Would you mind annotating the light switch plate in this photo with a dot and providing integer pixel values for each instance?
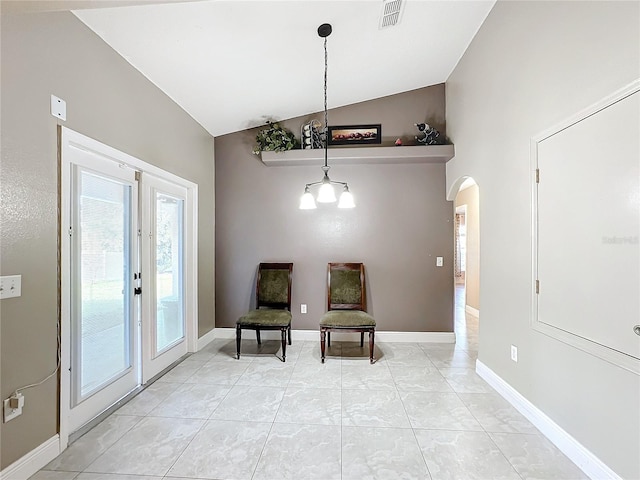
(303, 308)
(10, 286)
(439, 261)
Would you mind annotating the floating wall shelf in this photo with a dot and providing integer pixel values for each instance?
(361, 155)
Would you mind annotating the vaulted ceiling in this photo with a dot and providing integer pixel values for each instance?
(233, 64)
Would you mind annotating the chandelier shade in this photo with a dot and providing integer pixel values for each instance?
(346, 199)
(326, 194)
(306, 201)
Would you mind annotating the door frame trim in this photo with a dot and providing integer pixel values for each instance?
(68, 138)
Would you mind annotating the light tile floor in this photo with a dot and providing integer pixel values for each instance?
(419, 413)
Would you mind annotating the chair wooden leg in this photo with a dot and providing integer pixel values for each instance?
(362, 339)
(238, 337)
(328, 338)
(283, 333)
(258, 337)
(371, 345)
(322, 340)
(289, 331)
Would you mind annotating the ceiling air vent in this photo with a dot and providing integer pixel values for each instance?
(390, 14)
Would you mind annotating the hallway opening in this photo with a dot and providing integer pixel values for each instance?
(467, 263)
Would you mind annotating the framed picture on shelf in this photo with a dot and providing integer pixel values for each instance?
(355, 134)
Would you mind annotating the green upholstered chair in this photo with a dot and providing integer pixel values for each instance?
(346, 305)
(273, 304)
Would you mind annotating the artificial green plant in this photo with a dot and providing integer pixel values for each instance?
(275, 138)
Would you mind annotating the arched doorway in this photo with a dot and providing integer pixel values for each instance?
(467, 262)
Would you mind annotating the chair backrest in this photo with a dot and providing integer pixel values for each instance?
(273, 287)
(345, 287)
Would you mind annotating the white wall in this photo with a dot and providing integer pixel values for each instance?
(531, 65)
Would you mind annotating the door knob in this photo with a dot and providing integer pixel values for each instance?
(637, 329)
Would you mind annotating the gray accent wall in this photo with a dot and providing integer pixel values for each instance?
(401, 223)
(530, 66)
(107, 99)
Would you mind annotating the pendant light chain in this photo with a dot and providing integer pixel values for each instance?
(326, 122)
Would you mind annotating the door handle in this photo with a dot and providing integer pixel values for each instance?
(637, 329)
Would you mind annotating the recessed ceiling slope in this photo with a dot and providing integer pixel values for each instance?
(233, 64)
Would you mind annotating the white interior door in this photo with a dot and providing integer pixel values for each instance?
(164, 274)
(103, 313)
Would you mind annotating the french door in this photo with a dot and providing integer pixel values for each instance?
(163, 268)
(127, 276)
(103, 312)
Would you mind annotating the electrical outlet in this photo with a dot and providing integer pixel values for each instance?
(303, 308)
(514, 353)
(13, 407)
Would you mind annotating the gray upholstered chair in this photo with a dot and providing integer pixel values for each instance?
(346, 305)
(273, 304)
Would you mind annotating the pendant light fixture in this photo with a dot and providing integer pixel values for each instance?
(326, 193)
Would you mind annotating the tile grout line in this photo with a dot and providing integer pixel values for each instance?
(413, 430)
(205, 421)
(485, 431)
(264, 445)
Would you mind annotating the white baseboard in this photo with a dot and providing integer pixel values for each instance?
(314, 335)
(206, 339)
(577, 453)
(472, 311)
(33, 461)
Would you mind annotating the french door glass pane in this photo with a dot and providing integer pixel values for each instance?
(169, 267)
(105, 234)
